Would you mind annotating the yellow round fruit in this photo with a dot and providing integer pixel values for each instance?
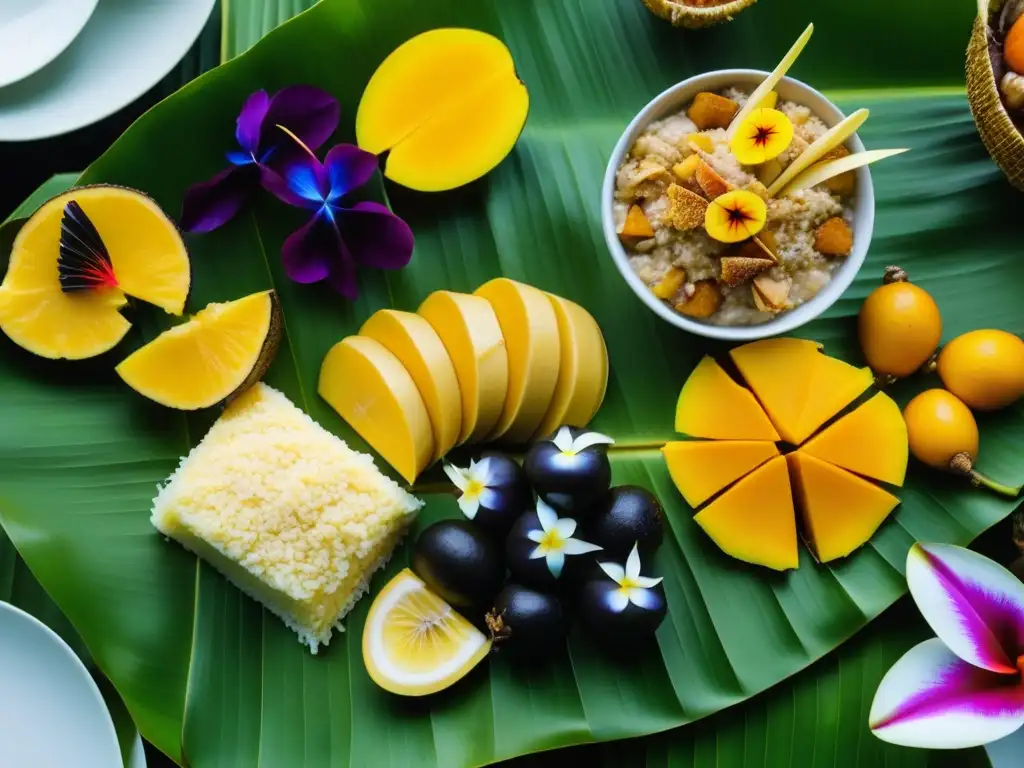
(414, 643)
(940, 426)
(900, 326)
(984, 368)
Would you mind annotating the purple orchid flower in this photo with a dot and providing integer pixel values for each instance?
(963, 688)
(309, 113)
(338, 238)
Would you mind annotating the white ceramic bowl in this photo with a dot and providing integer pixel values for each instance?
(673, 100)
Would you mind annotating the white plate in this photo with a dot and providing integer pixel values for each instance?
(51, 712)
(34, 32)
(124, 50)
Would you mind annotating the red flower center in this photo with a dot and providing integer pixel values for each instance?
(762, 134)
(737, 217)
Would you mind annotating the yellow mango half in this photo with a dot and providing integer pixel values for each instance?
(754, 521)
(714, 406)
(582, 372)
(447, 104)
(840, 511)
(530, 328)
(417, 346)
(469, 330)
(374, 393)
(870, 440)
(834, 386)
(700, 469)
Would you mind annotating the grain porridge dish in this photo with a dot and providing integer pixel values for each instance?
(733, 213)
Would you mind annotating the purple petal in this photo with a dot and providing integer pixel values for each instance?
(210, 204)
(348, 167)
(309, 253)
(250, 121)
(975, 606)
(308, 112)
(299, 184)
(375, 236)
(343, 275)
(931, 698)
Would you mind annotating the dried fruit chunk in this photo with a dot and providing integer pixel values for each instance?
(669, 284)
(709, 110)
(636, 224)
(700, 469)
(771, 295)
(687, 170)
(700, 141)
(754, 521)
(686, 209)
(735, 216)
(871, 441)
(705, 301)
(713, 406)
(840, 511)
(709, 181)
(834, 238)
(447, 104)
(738, 269)
(762, 136)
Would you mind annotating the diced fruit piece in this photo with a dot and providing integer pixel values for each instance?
(669, 284)
(700, 469)
(417, 346)
(834, 238)
(447, 104)
(470, 332)
(709, 180)
(836, 135)
(218, 354)
(713, 406)
(763, 135)
(686, 208)
(709, 110)
(687, 170)
(769, 101)
(871, 441)
(530, 329)
(780, 372)
(738, 269)
(840, 511)
(771, 295)
(735, 216)
(414, 643)
(701, 141)
(754, 521)
(636, 224)
(842, 184)
(374, 393)
(1013, 47)
(835, 385)
(582, 372)
(705, 301)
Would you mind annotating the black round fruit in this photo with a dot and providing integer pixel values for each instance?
(568, 471)
(459, 563)
(566, 554)
(494, 492)
(629, 515)
(527, 623)
(609, 623)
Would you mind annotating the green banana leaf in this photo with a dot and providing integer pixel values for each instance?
(246, 21)
(208, 676)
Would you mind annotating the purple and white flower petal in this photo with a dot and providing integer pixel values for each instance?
(547, 516)
(556, 562)
(310, 113)
(469, 505)
(566, 444)
(578, 547)
(933, 699)
(537, 536)
(348, 167)
(565, 527)
(615, 571)
(210, 204)
(641, 597)
(618, 600)
(249, 125)
(457, 476)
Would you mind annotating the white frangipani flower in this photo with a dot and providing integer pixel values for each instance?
(473, 482)
(633, 588)
(568, 446)
(554, 540)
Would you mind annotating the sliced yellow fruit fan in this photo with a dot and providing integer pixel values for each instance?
(750, 492)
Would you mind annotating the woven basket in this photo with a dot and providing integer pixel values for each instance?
(694, 17)
(998, 133)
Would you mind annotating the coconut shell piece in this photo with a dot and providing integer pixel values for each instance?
(694, 16)
(771, 295)
(739, 269)
(686, 209)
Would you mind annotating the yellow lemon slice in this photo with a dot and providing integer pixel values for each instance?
(414, 643)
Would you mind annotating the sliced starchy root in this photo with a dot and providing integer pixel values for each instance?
(834, 386)
(218, 354)
(636, 224)
(686, 208)
(371, 390)
(470, 332)
(709, 181)
(713, 406)
(530, 328)
(739, 269)
(670, 283)
(771, 295)
(871, 441)
(834, 238)
(840, 511)
(709, 110)
(768, 84)
(686, 171)
(704, 302)
(837, 173)
(701, 468)
(754, 521)
(417, 346)
(835, 136)
(582, 372)
(414, 643)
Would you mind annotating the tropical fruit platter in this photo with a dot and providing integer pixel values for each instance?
(404, 391)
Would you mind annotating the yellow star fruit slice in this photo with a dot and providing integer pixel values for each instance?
(840, 511)
(374, 393)
(713, 406)
(754, 521)
(700, 469)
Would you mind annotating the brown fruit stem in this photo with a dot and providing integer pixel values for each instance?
(895, 275)
(962, 464)
(883, 380)
(931, 365)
